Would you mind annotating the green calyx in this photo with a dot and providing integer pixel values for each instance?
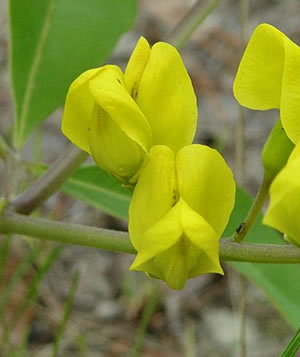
(276, 151)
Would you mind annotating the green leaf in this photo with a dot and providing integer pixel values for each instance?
(52, 42)
(97, 188)
(293, 346)
(279, 281)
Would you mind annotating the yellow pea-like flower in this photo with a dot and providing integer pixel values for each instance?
(283, 212)
(117, 117)
(180, 207)
(268, 77)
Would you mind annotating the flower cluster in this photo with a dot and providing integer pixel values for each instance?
(269, 78)
(139, 126)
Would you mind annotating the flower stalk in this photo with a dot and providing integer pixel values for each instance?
(50, 181)
(254, 211)
(4, 149)
(189, 24)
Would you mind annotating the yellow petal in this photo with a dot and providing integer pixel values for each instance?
(78, 110)
(136, 66)
(269, 76)
(166, 97)
(290, 94)
(258, 81)
(181, 245)
(206, 184)
(203, 241)
(284, 208)
(112, 149)
(159, 237)
(110, 94)
(154, 193)
(173, 264)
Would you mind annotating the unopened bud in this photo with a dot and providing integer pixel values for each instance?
(276, 151)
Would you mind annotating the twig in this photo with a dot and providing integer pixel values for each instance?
(240, 176)
(119, 241)
(184, 30)
(50, 181)
(254, 211)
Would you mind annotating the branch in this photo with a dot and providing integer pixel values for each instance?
(189, 24)
(50, 181)
(119, 241)
(4, 149)
(254, 211)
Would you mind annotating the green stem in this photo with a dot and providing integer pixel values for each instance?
(50, 181)
(119, 241)
(66, 316)
(293, 346)
(258, 253)
(255, 209)
(66, 233)
(149, 309)
(239, 151)
(243, 316)
(4, 149)
(240, 176)
(184, 30)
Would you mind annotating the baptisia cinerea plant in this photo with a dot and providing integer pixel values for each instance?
(117, 117)
(180, 208)
(269, 77)
(139, 126)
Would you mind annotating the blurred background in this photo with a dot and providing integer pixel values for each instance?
(115, 312)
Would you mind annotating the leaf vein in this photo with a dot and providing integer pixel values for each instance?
(33, 72)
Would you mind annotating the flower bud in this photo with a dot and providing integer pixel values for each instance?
(276, 151)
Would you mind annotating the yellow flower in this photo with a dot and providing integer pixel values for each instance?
(118, 117)
(269, 77)
(180, 208)
(284, 209)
